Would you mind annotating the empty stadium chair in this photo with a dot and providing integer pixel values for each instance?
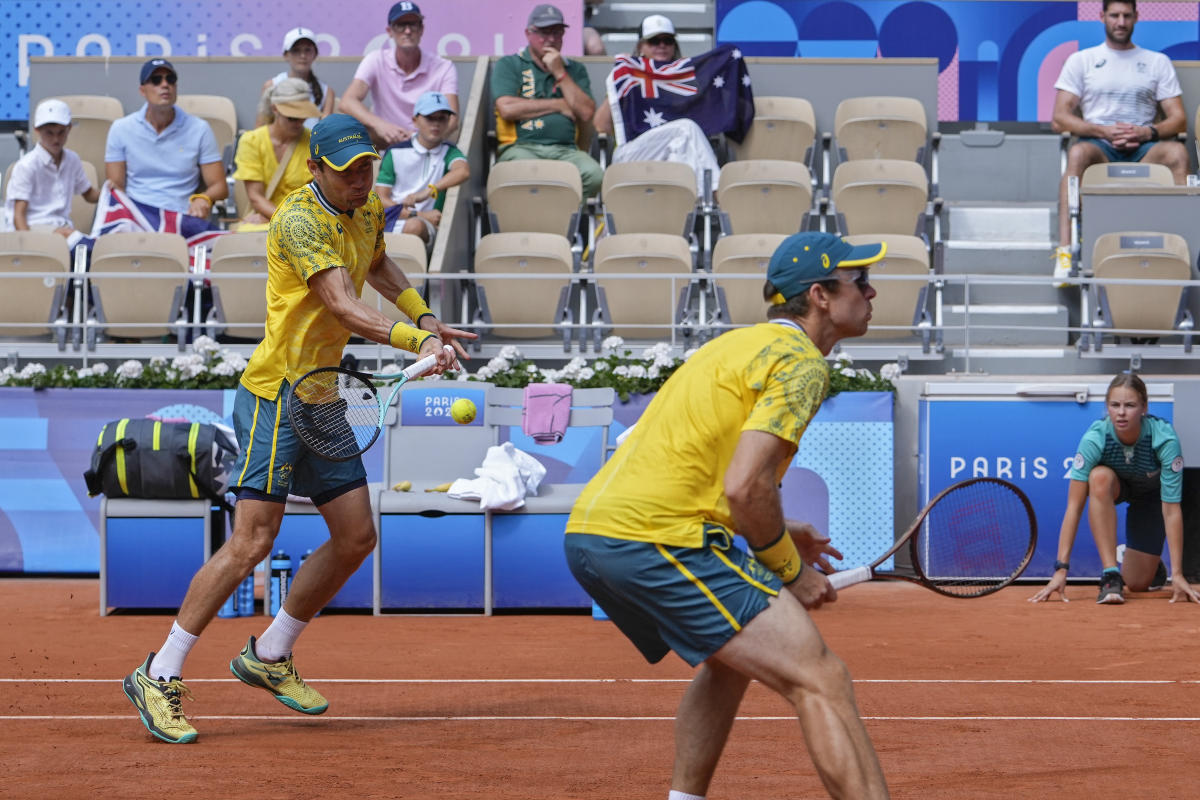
(91, 117)
(501, 302)
(408, 251)
(740, 301)
(239, 304)
(221, 115)
(880, 127)
(900, 302)
(626, 303)
(880, 196)
(765, 196)
(784, 128)
(124, 303)
(33, 301)
(1147, 257)
(534, 196)
(649, 197)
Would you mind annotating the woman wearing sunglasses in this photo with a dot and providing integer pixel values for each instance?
(678, 140)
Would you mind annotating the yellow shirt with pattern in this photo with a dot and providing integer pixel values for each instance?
(308, 235)
(665, 482)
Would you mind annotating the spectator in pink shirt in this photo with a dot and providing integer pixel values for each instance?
(396, 77)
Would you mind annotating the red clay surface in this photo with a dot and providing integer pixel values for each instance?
(990, 698)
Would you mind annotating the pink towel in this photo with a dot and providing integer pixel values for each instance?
(547, 411)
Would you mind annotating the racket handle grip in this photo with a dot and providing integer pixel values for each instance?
(424, 365)
(849, 577)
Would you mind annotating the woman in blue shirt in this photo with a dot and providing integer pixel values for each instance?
(1129, 456)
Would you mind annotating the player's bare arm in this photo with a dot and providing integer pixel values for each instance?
(519, 109)
(1077, 495)
(1068, 119)
(390, 281)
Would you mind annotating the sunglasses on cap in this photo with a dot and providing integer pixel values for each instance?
(159, 77)
(661, 40)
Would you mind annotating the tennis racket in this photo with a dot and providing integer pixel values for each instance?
(974, 538)
(337, 414)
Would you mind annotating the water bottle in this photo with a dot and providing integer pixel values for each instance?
(281, 579)
(245, 597)
(229, 608)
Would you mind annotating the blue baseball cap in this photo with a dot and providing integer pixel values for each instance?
(806, 258)
(431, 103)
(339, 140)
(156, 63)
(405, 8)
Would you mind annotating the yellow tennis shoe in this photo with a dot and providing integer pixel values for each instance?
(160, 704)
(278, 678)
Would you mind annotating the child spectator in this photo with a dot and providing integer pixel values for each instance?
(45, 179)
(299, 51)
(416, 173)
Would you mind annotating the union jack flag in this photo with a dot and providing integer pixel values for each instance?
(119, 213)
(711, 89)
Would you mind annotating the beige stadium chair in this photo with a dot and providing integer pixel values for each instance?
(35, 301)
(765, 196)
(624, 302)
(899, 303)
(91, 117)
(740, 301)
(880, 127)
(408, 251)
(534, 196)
(239, 304)
(1149, 257)
(784, 128)
(220, 114)
(649, 197)
(120, 302)
(1137, 175)
(881, 196)
(502, 302)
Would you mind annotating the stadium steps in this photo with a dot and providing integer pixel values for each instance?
(619, 23)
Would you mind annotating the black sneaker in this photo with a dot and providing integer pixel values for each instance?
(1160, 578)
(1112, 587)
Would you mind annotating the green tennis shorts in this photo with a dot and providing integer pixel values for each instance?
(688, 599)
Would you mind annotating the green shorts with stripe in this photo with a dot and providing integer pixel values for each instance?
(273, 462)
(688, 599)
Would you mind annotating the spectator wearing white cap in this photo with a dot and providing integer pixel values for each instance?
(679, 140)
(395, 77)
(272, 160)
(299, 51)
(46, 178)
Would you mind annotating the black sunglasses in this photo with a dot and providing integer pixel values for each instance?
(157, 79)
(657, 40)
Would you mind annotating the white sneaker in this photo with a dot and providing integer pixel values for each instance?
(1062, 267)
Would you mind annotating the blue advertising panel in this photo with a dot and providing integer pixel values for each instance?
(431, 405)
(1030, 442)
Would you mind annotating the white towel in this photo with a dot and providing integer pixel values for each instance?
(504, 479)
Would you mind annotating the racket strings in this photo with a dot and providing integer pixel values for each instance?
(976, 538)
(335, 414)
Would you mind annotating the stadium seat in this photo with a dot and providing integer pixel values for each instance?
(649, 197)
(91, 117)
(125, 304)
(534, 196)
(34, 301)
(626, 303)
(239, 304)
(765, 196)
(740, 301)
(1147, 257)
(502, 302)
(881, 196)
(784, 129)
(408, 251)
(221, 115)
(900, 303)
(880, 127)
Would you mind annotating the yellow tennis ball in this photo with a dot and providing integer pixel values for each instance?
(462, 411)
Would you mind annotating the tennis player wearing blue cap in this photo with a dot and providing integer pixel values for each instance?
(651, 536)
(325, 240)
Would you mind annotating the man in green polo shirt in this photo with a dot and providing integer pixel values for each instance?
(541, 98)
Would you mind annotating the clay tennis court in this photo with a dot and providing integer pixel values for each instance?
(988, 698)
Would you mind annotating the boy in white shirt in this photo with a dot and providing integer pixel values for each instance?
(46, 178)
(415, 174)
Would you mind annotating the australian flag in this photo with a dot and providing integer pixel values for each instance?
(711, 89)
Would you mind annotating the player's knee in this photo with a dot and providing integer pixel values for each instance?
(250, 544)
(1081, 156)
(356, 544)
(1101, 480)
(825, 677)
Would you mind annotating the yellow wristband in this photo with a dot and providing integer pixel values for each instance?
(201, 196)
(412, 305)
(406, 337)
(781, 557)
(434, 191)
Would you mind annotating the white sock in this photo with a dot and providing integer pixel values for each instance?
(168, 661)
(277, 640)
(674, 795)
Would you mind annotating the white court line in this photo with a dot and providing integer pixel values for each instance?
(916, 681)
(293, 718)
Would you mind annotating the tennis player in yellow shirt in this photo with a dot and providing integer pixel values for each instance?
(325, 240)
(651, 536)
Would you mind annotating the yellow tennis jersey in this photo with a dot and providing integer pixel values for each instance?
(308, 235)
(666, 480)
